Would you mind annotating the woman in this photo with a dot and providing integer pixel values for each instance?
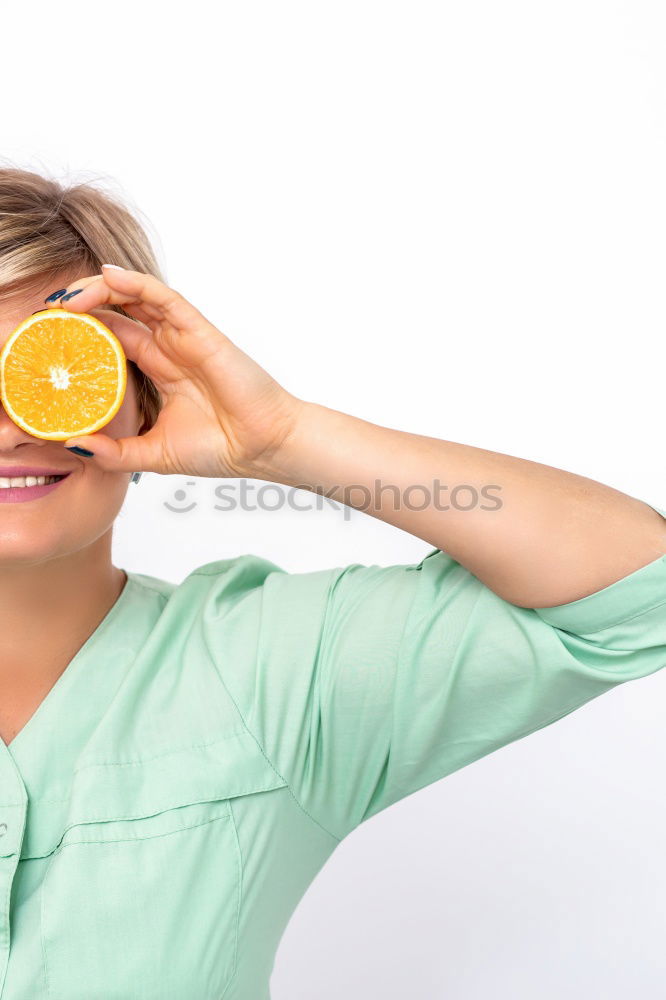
(179, 761)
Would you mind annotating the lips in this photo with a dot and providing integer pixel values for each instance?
(24, 494)
(9, 471)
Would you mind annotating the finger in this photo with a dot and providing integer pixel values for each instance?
(119, 286)
(108, 316)
(133, 336)
(89, 293)
(79, 283)
(139, 346)
(84, 283)
(143, 311)
(129, 454)
(145, 314)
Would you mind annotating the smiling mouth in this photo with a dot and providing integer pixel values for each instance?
(21, 482)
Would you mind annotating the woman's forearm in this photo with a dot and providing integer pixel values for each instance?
(536, 535)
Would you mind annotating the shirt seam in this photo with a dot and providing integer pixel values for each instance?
(146, 586)
(263, 751)
(139, 761)
(333, 584)
(239, 897)
(214, 572)
(611, 624)
(631, 618)
(402, 644)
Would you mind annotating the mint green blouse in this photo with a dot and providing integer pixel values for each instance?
(206, 750)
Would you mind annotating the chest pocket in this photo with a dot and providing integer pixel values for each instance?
(141, 896)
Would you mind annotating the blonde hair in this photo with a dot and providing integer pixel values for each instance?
(48, 229)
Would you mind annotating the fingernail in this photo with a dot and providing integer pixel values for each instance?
(56, 295)
(117, 267)
(80, 451)
(70, 294)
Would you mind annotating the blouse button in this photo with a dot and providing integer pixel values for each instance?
(3, 829)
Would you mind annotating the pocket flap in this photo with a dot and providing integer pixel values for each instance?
(106, 790)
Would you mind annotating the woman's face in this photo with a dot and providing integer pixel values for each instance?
(80, 508)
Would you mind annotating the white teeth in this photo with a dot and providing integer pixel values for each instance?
(20, 481)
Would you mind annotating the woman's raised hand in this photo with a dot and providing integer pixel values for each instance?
(222, 414)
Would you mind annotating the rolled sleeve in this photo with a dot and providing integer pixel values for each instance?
(634, 606)
(367, 683)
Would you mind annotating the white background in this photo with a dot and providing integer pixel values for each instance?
(448, 218)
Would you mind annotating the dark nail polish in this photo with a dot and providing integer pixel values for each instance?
(80, 451)
(70, 294)
(56, 295)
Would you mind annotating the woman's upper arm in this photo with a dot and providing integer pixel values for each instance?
(367, 683)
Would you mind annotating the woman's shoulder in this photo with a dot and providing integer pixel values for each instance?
(221, 580)
(248, 581)
(243, 570)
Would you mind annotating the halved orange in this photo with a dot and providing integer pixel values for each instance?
(62, 374)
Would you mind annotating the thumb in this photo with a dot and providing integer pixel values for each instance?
(112, 454)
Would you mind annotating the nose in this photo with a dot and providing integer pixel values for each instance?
(11, 435)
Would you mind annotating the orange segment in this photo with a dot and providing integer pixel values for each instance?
(62, 374)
